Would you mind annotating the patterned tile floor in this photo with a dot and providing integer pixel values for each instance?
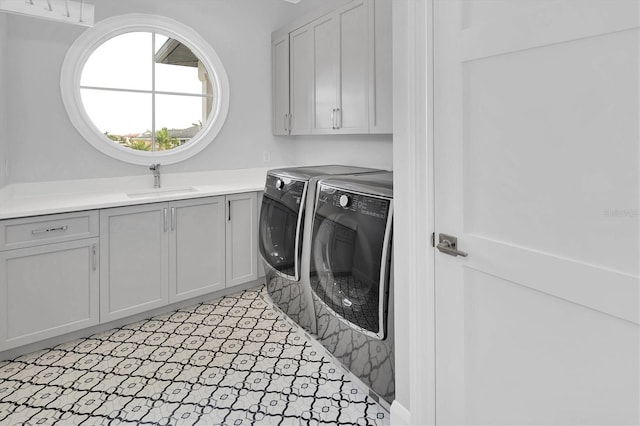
(231, 361)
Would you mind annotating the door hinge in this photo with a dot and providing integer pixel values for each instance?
(433, 239)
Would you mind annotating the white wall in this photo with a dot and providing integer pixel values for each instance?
(45, 146)
(356, 150)
(3, 98)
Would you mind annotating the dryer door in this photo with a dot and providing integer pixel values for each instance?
(350, 257)
(281, 225)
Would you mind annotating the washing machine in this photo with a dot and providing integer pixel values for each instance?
(283, 243)
(351, 278)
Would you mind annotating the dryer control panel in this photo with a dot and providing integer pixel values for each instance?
(354, 202)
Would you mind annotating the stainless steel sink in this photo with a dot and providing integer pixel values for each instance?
(161, 192)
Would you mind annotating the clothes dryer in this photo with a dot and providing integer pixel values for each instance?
(350, 276)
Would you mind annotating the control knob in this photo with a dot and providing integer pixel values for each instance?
(279, 184)
(345, 200)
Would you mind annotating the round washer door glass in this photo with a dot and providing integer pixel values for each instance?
(145, 89)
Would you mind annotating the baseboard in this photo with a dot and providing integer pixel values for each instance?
(400, 416)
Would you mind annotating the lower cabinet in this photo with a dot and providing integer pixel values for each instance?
(156, 254)
(48, 290)
(196, 247)
(58, 274)
(242, 238)
(134, 253)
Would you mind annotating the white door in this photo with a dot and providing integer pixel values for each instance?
(242, 238)
(196, 247)
(536, 172)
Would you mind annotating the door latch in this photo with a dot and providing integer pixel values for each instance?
(448, 244)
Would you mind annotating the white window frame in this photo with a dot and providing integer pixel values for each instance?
(94, 37)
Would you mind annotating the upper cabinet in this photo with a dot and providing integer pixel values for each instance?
(339, 72)
(280, 57)
(300, 80)
(381, 101)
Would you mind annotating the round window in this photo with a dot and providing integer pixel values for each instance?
(145, 89)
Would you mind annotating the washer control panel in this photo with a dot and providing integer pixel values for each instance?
(281, 188)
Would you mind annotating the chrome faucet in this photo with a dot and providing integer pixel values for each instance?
(155, 168)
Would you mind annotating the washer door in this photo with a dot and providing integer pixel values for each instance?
(281, 225)
(350, 257)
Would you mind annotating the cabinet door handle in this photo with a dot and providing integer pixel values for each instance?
(46, 230)
(166, 217)
(290, 117)
(174, 219)
(229, 209)
(333, 119)
(338, 118)
(285, 123)
(94, 256)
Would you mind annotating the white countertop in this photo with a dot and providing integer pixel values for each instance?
(39, 198)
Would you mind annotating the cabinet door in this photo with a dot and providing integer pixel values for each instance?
(196, 247)
(341, 70)
(47, 291)
(325, 71)
(134, 251)
(242, 238)
(280, 69)
(380, 84)
(301, 75)
(352, 114)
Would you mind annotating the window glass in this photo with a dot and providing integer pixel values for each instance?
(124, 124)
(181, 115)
(177, 68)
(123, 62)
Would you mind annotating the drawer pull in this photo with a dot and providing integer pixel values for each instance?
(46, 230)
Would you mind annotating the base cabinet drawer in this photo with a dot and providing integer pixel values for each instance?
(47, 291)
(55, 228)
